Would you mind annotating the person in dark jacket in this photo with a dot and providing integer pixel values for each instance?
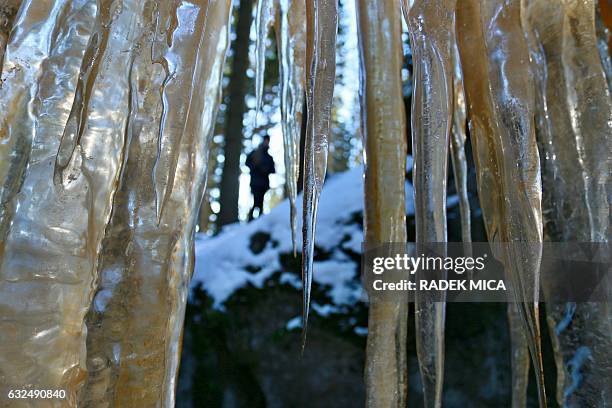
(261, 165)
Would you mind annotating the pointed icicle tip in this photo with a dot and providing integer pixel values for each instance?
(159, 205)
(304, 332)
(322, 26)
(306, 288)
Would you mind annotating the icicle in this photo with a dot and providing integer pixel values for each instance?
(22, 70)
(384, 129)
(575, 170)
(488, 181)
(136, 318)
(543, 130)
(511, 92)
(175, 61)
(519, 357)
(264, 19)
(457, 147)
(494, 56)
(77, 120)
(51, 250)
(291, 34)
(322, 27)
(431, 24)
(574, 66)
(405, 9)
(55, 246)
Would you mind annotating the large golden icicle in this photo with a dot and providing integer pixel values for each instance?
(136, 318)
(51, 249)
(383, 123)
(495, 61)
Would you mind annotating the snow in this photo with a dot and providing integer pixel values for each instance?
(295, 323)
(355, 241)
(221, 261)
(338, 275)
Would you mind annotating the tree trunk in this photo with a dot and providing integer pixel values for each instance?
(233, 120)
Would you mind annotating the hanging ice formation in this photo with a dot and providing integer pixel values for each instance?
(321, 29)
(93, 277)
(264, 18)
(384, 130)
(106, 112)
(289, 20)
(431, 24)
(573, 136)
(494, 56)
(457, 146)
(291, 40)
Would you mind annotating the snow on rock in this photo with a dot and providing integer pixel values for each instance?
(294, 323)
(227, 261)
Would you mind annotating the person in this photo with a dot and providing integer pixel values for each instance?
(261, 165)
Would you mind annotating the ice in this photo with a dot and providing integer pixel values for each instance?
(519, 357)
(96, 273)
(457, 146)
(384, 130)
(142, 320)
(107, 109)
(431, 27)
(264, 19)
(322, 27)
(291, 34)
(575, 171)
(495, 62)
(50, 256)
